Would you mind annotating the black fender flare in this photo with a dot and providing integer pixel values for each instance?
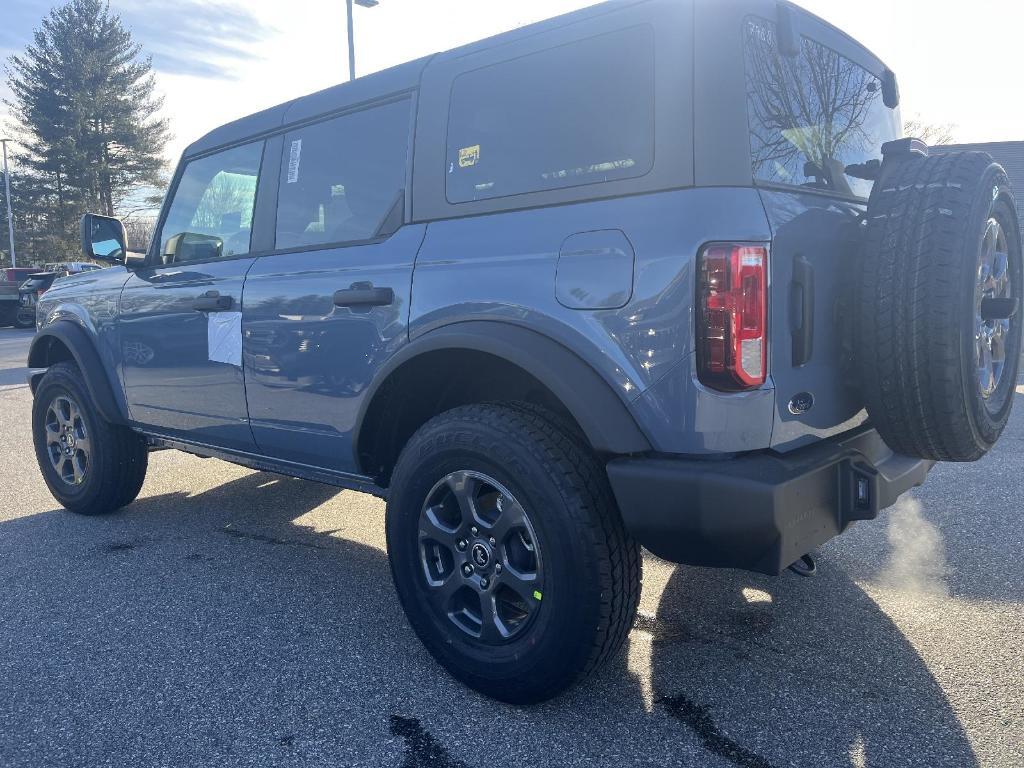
(83, 351)
(602, 414)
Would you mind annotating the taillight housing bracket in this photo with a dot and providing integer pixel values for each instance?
(732, 316)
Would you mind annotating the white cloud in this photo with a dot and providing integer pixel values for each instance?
(956, 62)
(309, 52)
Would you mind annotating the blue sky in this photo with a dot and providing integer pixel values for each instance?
(219, 59)
(185, 37)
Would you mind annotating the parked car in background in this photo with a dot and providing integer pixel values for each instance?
(29, 293)
(658, 272)
(11, 280)
(65, 268)
(38, 283)
(34, 282)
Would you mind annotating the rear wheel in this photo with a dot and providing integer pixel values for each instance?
(508, 553)
(90, 466)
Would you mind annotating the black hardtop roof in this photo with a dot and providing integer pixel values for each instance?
(404, 77)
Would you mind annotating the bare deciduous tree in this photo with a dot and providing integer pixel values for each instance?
(817, 108)
(139, 232)
(930, 133)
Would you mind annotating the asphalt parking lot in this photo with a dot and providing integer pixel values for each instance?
(232, 617)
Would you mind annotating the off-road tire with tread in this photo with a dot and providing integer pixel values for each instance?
(592, 565)
(119, 457)
(914, 304)
(24, 320)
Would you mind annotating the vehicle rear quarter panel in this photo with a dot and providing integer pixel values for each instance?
(503, 267)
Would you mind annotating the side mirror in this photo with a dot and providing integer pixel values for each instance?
(103, 239)
(191, 246)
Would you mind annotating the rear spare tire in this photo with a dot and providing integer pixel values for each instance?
(938, 326)
(25, 318)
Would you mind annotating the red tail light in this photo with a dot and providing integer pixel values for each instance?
(732, 306)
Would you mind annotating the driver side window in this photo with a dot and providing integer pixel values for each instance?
(211, 214)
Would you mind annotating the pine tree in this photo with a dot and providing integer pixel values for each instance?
(85, 98)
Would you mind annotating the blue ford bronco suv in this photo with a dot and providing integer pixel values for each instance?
(657, 273)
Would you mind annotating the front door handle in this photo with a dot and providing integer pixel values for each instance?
(363, 295)
(212, 301)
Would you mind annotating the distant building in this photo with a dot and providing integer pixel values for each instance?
(1009, 154)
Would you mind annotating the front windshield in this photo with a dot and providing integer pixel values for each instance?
(817, 120)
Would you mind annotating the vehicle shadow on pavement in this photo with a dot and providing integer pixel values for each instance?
(198, 629)
(793, 671)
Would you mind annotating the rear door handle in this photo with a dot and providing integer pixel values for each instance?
(212, 301)
(801, 307)
(364, 296)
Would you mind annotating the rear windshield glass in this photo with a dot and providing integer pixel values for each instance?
(577, 114)
(816, 118)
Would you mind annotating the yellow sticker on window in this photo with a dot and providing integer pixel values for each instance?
(469, 156)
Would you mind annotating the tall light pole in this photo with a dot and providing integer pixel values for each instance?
(7, 197)
(352, 35)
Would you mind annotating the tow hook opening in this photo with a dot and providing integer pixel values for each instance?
(805, 566)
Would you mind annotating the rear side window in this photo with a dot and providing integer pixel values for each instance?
(211, 212)
(578, 114)
(814, 118)
(340, 179)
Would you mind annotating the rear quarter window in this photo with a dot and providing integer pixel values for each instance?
(581, 113)
(814, 118)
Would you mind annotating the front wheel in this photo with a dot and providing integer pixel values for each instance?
(508, 552)
(90, 466)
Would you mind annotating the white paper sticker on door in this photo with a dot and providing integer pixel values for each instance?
(224, 337)
(294, 157)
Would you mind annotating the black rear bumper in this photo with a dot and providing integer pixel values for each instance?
(760, 512)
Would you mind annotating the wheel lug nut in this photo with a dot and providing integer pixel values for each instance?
(484, 583)
(462, 544)
(497, 568)
(473, 530)
(467, 570)
(492, 540)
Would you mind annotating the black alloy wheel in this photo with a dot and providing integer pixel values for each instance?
(508, 552)
(481, 561)
(90, 465)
